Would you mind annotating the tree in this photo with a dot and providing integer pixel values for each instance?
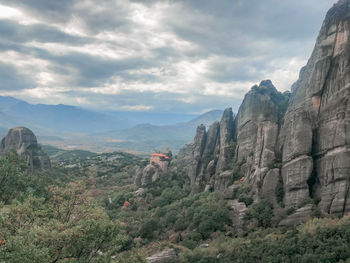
(67, 227)
(12, 176)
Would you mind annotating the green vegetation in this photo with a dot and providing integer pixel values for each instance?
(15, 182)
(49, 223)
(319, 240)
(87, 210)
(279, 191)
(242, 194)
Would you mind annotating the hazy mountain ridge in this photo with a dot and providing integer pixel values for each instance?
(148, 137)
(55, 119)
(72, 127)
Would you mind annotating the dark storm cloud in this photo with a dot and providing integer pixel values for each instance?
(153, 55)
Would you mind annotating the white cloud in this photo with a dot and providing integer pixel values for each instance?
(180, 52)
(287, 72)
(7, 12)
(136, 108)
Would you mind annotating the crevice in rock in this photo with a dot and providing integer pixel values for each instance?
(244, 124)
(263, 144)
(330, 205)
(346, 197)
(314, 182)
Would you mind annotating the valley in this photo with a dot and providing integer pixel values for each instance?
(268, 183)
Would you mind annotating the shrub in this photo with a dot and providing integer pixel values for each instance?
(260, 214)
(147, 229)
(279, 190)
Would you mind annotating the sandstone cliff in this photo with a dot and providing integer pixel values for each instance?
(316, 157)
(298, 140)
(24, 142)
(210, 154)
(242, 146)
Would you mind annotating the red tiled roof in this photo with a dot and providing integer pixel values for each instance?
(160, 155)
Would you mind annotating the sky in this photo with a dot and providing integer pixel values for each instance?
(186, 56)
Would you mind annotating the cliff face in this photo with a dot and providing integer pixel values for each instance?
(210, 153)
(300, 138)
(258, 123)
(316, 159)
(247, 141)
(24, 142)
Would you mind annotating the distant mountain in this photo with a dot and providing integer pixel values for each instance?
(154, 118)
(71, 127)
(148, 137)
(56, 119)
(207, 118)
(51, 120)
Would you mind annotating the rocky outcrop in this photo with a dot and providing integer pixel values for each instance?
(148, 175)
(258, 122)
(209, 154)
(158, 165)
(248, 141)
(24, 142)
(237, 213)
(227, 146)
(166, 256)
(299, 216)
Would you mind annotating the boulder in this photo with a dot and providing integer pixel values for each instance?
(299, 216)
(237, 213)
(222, 180)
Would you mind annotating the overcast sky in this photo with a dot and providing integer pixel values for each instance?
(174, 56)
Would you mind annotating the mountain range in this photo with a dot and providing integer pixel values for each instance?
(74, 127)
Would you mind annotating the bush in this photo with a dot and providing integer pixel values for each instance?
(243, 195)
(279, 190)
(260, 215)
(147, 229)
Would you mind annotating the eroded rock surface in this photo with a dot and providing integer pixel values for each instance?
(166, 256)
(316, 130)
(24, 142)
(238, 211)
(298, 141)
(258, 122)
(209, 154)
(298, 217)
(149, 174)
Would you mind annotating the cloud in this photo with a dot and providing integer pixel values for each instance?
(12, 79)
(179, 56)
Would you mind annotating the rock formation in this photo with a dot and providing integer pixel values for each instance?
(299, 140)
(24, 142)
(316, 155)
(158, 164)
(248, 140)
(210, 153)
(258, 122)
